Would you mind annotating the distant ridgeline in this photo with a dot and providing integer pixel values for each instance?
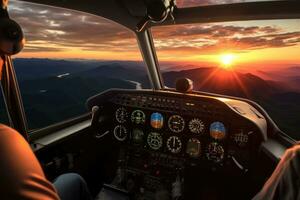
(281, 99)
(55, 90)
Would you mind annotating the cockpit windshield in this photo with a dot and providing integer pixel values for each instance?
(258, 60)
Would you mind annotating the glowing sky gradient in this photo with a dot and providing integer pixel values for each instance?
(59, 33)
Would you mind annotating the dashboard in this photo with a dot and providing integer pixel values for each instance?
(162, 134)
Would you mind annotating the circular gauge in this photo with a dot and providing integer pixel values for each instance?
(217, 130)
(215, 152)
(157, 120)
(154, 140)
(196, 125)
(138, 117)
(137, 136)
(193, 148)
(121, 115)
(174, 144)
(120, 132)
(176, 123)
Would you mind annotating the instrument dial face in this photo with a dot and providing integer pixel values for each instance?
(215, 152)
(196, 126)
(174, 144)
(137, 136)
(120, 132)
(176, 123)
(154, 140)
(138, 117)
(217, 130)
(121, 115)
(157, 120)
(193, 148)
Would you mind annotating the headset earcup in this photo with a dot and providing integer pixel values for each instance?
(11, 37)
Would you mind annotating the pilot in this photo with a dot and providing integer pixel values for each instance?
(21, 175)
(284, 183)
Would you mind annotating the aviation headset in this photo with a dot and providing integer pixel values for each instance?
(11, 35)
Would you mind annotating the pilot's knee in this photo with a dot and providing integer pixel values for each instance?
(72, 177)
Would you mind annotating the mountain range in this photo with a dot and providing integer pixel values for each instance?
(54, 90)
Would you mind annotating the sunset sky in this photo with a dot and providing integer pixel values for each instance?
(59, 33)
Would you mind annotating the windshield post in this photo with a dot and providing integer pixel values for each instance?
(147, 49)
(12, 97)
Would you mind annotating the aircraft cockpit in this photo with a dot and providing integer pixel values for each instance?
(155, 99)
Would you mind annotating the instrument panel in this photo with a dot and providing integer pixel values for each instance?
(170, 140)
(189, 127)
(191, 136)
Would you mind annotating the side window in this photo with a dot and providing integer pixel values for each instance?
(3, 112)
(70, 56)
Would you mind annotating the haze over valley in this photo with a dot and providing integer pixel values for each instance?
(55, 90)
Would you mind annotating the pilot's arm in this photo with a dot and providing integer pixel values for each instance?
(284, 183)
(21, 176)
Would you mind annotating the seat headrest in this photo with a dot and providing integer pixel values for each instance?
(11, 35)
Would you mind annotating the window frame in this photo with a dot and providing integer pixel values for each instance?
(34, 134)
(286, 139)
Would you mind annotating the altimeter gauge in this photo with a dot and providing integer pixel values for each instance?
(174, 144)
(196, 126)
(121, 115)
(120, 132)
(176, 123)
(154, 140)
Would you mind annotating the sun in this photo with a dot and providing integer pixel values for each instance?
(227, 60)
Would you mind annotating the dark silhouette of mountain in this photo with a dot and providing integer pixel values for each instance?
(51, 100)
(283, 74)
(116, 70)
(55, 90)
(294, 70)
(33, 68)
(226, 82)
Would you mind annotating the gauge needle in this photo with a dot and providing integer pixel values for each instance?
(173, 142)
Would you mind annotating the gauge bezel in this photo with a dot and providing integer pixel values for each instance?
(172, 150)
(126, 115)
(119, 138)
(194, 140)
(161, 121)
(221, 154)
(135, 142)
(170, 125)
(221, 135)
(151, 134)
(143, 114)
(200, 123)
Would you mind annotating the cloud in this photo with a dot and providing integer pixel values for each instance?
(50, 29)
(215, 38)
(57, 28)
